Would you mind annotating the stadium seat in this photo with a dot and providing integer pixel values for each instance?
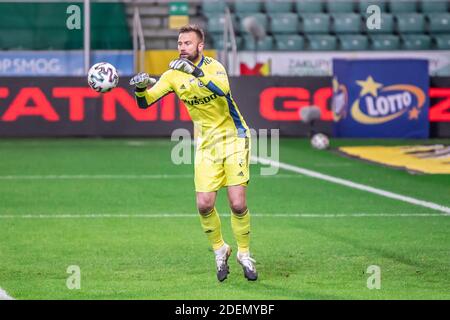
(216, 23)
(260, 17)
(415, 42)
(277, 6)
(308, 6)
(315, 23)
(213, 7)
(22, 40)
(286, 42)
(322, 42)
(384, 42)
(218, 42)
(387, 25)
(343, 6)
(410, 23)
(442, 41)
(439, 22)
(364, 4)
(427, 6)
(41, 26)
(284, 23)
(353, 42)
(111, 33)
(263, 45)
(247, 6)
(346, 23)
(398, 6)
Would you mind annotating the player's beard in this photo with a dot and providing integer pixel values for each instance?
(192, 57)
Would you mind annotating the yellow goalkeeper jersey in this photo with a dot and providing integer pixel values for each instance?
(208, 100)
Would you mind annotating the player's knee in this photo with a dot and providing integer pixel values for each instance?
(238, 207)
(204, 206)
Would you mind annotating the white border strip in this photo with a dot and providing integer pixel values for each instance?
(348, 183)
(4, 295)
(187, 215)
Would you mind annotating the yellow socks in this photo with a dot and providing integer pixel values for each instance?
(211, 226)
(241, 229)
(239, 223)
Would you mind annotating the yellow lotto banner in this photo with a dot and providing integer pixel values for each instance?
(157, 61)
(432, 159)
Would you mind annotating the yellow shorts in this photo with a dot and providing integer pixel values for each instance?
(224, 164)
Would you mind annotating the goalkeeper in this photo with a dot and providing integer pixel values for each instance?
(223, 143)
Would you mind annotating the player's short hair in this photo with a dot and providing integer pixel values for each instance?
(193, 28)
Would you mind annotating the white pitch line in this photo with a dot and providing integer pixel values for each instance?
(96, 216)
(354, 185)
(187, 215)
(126, 176)
(94, 176)
(4, 295)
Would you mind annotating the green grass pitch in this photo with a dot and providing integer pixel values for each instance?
(88, 203)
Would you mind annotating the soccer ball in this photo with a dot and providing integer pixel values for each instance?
(320, 141)
(103, 77)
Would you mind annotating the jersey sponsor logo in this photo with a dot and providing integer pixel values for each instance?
(183, 87)
(199, 101)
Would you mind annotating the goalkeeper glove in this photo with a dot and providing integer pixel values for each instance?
(186, 66)
(142, 80)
